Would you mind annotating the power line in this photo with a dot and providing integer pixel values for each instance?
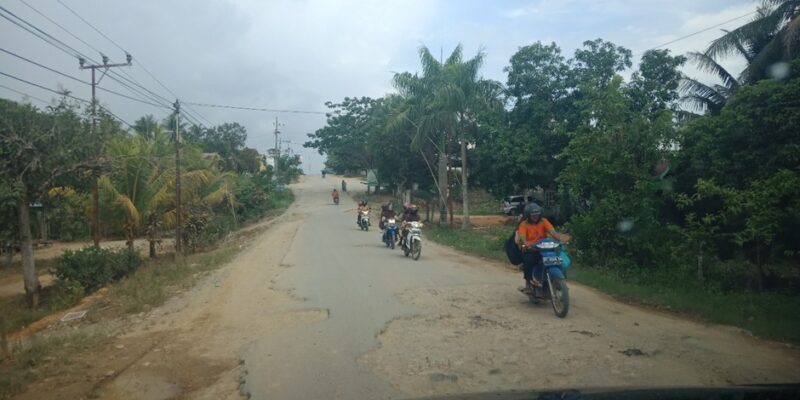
(77, 79)
(75, 13)
(24, 94)
(91, 26)
(62, 28)
(65, 94)
(701, 31)
(153, 97)
(254, 108)
(61, 45)
(75, 52)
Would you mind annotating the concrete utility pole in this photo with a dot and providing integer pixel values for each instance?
(95, 191)
(178, 210)
(277, 151)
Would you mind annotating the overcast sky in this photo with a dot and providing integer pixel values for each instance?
(297, 54)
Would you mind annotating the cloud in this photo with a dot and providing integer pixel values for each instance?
(297, 54)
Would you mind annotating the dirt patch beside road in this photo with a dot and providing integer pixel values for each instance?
(488, 338)
(188, 348)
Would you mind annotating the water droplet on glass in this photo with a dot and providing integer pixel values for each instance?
(779, 70)
(625, 225)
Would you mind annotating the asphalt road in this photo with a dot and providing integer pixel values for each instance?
(311, 307)
(451, 323)
(335, 266)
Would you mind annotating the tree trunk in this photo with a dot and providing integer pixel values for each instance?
(464, 189)
(442, 186)
(26, 248)
(3, 338)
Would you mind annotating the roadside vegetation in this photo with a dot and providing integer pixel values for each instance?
(52, 161)
(679, 192)
(141, 290)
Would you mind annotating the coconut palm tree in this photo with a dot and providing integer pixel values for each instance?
(772, 36)
(708, 97)
(440, 106)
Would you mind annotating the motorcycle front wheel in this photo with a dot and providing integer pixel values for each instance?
(559, 297)
(416, 249)
(391, 241)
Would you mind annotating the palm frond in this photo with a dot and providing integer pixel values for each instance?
(701, 96)
(129, 208)
(707, 64)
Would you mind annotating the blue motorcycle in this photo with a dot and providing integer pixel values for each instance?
(554, 284)
(390, 232)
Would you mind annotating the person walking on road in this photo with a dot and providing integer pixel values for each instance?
(344, 186)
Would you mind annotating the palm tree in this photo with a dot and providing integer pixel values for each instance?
(440, 105)
(142, 184)
(703, 97)
(773, 36)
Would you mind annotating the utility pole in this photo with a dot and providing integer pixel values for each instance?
(178, 219)
(95, 191)
(277, 151)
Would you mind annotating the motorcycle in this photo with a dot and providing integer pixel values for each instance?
(412, 243)
(363, 221)
(336, 201)
(554, 283)
(390, 232)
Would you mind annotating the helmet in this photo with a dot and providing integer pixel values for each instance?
(384, 207)
(533, 212)
(412, 208)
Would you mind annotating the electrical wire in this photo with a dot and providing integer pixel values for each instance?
(62, 28)
(700, 31)
(75, 13)
(254, 108)
(24, 94)
(79, 80)
(65, 94)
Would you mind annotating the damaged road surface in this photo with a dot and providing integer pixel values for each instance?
(316, 308)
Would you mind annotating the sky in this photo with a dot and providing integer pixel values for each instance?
(298, 54)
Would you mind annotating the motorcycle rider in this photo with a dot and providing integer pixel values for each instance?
(410, 214)
(362, 206)
(335, 195)
(386, 213)
(533, 228)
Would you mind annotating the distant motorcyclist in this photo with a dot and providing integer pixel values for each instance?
(386, 214)
(335, 196)
(532, 229)
(410, 214)
(344, 186)
(362, 206)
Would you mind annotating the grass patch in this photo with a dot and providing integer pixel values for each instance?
(151, 285)
(485, 242)
(281, 200)
(18, 314)
(146, 288)
(768, 315)
(42, 357)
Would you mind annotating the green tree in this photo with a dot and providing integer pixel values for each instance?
(36, 149)
(773, 36)
(441, 105)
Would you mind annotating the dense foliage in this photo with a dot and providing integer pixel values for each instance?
(645, 185)
(50, 158)
(89, 269)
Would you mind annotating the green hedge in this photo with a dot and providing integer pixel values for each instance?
(92, 267)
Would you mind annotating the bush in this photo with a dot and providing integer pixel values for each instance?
(92, 267)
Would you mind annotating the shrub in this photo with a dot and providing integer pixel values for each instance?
(92, 267)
